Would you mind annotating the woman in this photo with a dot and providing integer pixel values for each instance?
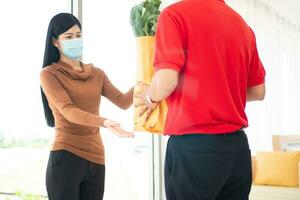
(71, 92)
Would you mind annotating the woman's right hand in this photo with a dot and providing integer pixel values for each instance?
(115, 127)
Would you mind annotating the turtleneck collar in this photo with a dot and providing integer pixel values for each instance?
(72, 73)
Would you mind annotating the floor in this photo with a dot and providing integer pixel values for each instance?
(23, 170)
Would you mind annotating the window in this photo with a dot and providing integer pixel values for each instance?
(24, 137)
(109, 44)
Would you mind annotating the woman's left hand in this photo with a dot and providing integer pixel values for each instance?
(115, 127)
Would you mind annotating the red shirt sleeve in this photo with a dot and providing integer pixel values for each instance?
(256, 75)
(170, 43)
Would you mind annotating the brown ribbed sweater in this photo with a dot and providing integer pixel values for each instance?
(74, 98)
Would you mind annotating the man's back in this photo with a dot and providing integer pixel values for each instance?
(215, 52)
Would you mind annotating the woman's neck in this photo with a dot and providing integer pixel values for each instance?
(73, 63)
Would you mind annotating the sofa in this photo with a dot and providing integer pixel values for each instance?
(264, 192)
(269, 192)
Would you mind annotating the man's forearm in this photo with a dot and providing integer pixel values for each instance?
(159, 93)
(163, 84)
(254, 97)
(256, 93)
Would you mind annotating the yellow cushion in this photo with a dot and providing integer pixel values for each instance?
(277, 168)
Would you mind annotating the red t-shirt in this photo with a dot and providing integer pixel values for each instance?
(215, 53)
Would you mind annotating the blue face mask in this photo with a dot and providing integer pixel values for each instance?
(72, 48)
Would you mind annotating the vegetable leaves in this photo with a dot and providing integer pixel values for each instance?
(143, 18)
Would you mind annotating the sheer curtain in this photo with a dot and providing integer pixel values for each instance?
(279, 46)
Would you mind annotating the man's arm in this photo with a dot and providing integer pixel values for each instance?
(163, 84)
(256, 93)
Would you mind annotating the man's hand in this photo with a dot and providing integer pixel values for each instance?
(143, 102)
(115, 127)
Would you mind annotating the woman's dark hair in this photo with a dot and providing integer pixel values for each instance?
(59, 24)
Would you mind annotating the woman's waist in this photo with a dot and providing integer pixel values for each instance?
(92, 153)
(76, 129)
(81, 141)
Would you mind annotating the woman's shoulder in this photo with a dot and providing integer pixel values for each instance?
(48, 70)
(97, 70)
(48, 74)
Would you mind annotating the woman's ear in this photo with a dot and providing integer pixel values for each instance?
(55, 42)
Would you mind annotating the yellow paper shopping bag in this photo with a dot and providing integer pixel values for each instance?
(145, 71)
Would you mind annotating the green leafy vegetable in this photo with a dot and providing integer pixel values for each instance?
(143, 18)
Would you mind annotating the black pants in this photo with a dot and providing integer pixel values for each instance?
(208, 167)
(70, 177)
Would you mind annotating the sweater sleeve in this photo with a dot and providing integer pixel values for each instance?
(112, 93)
(60, 99)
